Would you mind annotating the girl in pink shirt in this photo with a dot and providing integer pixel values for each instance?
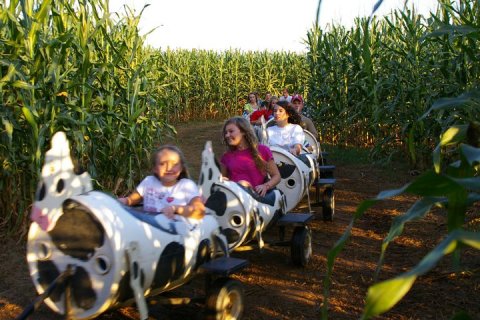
(246, 161)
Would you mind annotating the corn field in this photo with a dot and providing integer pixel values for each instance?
(201, 84)
(71, 65)
(406, 84)
(66, 66)
(397, 85)
(370, 83)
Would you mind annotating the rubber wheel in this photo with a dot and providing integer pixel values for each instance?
(328, 204)
(301, 246)
(224, 300)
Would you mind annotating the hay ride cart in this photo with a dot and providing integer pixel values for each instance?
(88, 253)
(301, 240)
(243, 215)
(248, 216)
(223, 299)
(325, 182)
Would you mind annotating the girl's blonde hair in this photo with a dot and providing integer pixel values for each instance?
(250, 137)
(184, 173)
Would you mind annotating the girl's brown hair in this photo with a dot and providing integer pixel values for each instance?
(273, 101)
(252, 94)
(293, 116)
(184, 173)
(249, 137)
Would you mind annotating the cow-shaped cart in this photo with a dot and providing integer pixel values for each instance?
(243, 216)
(88, 253)
(299, 175)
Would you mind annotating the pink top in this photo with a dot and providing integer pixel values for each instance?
(240, 165)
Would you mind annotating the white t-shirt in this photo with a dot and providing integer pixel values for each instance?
(156, 196)
(287, 136)
(288, 98)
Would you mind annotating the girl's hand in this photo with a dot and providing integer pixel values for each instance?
(133, 199)
(296, 149)
(262, 189)
(169, 212)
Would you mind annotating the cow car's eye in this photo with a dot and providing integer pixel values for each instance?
(41, 191)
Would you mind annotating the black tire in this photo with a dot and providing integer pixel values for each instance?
(301, 249)
(224, 300)
(328, 204)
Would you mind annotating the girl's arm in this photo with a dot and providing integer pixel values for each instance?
(194, 209)
(274, 174)
(296, 149)
(133, 199)
(297, 140)
(275, 178)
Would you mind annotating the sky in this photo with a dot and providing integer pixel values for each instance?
(273, 25)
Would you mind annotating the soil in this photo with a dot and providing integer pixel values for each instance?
(276, 289)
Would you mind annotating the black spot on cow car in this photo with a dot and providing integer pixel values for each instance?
(125, 292)
(170, 266)
(77, 232)
(82, 291)
(47, 273)
(142, 278)
(286, 170)
(78, 169)
(277, 215)
(231, 235)
(203, 253)
(81, 285)
(41, 192)
(250, 231)
(217, 202)
(60, 185)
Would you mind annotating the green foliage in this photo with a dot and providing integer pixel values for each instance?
(386, 105)
(371, 83)
(384, 295)
(66, 65)
(347, 155)
(206, 84)
(71, 65)
(455, 188)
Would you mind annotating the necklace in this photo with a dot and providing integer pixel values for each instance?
(168, 193)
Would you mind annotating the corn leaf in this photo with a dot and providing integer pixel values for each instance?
(383, 296)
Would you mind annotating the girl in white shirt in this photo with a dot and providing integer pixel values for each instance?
(287, 133)
(169, 190)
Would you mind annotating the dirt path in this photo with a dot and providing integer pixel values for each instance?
(275, 289)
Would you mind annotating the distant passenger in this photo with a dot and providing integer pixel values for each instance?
(287, 132)
(268, 96)
(251, 106)
(306, 123)
(255, 117)
(285, 96)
